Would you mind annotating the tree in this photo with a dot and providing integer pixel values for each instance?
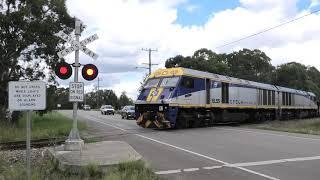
(124, 100)
(202, 59)
(109, 97)
(52, 97)
(298, 76)
(92, 99)
(62, 98)
(204, 53)
(247, 64)
(57, 96)
(252, 65)
(174, 62)
(291, 75)
(28, 44)
(106, 97)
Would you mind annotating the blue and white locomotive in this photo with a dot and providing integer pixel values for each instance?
(183, 98)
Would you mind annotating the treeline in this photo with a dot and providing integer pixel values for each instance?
(252, 65)
(95, 99)
(107, 97)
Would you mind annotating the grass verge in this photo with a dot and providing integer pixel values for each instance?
(50, 125)
(47, 169)
(304, 126)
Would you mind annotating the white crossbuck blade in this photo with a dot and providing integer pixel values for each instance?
(75, 45)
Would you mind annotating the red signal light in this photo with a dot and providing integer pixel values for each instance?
(63, 70)
(89, 72)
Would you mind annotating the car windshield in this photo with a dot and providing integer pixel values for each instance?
(151, 83)
(131, 108)
(169, 82)
(106, 106)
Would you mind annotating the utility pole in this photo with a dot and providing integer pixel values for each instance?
(84, 98)
(98, 88)
(150, 62)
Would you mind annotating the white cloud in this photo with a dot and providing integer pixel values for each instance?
(130, 87)
(314, 3)
(293, 52)
(295, 40)
(268, 4)
(124, 27)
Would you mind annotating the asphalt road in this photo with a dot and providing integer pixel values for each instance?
(221, 152)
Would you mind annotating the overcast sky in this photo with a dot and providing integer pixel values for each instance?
(182, 26)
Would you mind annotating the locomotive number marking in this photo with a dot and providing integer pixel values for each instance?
(215, 100)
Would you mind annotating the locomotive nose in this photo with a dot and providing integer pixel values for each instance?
(154, 94)
(153, 120)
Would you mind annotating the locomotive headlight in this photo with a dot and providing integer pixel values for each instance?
(166, 101)
(160, 108)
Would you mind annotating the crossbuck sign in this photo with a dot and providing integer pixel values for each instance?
(76, 45)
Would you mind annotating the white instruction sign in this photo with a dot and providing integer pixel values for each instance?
(27, 95)
(76, 91)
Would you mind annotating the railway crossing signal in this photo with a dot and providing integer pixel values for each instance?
(89, 72)
(76, 45)
(63, 70)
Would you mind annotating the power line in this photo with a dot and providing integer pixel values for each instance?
(269, 29)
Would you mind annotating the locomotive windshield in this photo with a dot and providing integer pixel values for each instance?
(165, 82)
(169, 82)
(151, 83)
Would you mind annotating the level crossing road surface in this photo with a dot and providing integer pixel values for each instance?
(221, 152)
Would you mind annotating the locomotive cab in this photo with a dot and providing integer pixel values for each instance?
(158, 89)
(152, 106)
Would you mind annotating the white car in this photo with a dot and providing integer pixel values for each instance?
(86, 107)
(107, 109)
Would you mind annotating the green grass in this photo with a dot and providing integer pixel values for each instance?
(47, 169)
(304, 126)
(91, 140)
(51, 125)
(131, 170)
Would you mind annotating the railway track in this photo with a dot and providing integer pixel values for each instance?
(39, 143)
(16, 145)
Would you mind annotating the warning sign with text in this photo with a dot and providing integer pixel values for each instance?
(76, 92)
(27, 95)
